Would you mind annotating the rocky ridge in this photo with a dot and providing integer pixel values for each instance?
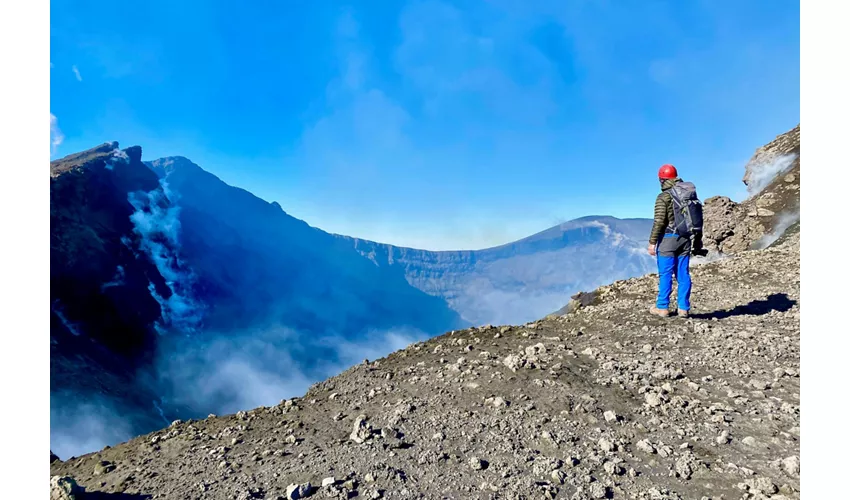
(526, 279)
(603, 402)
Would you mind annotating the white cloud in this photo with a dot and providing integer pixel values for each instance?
(56, 136)
(221, 372)
(225, 372)
(762, 174)
(77, 73)
(786, 220)
(78, 426)
(157, 221)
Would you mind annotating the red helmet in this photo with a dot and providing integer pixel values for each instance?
(667, 172)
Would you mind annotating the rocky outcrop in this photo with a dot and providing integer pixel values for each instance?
(605, 402)
(773, 180)
(758, 169)
(65, 488)
(100, 280)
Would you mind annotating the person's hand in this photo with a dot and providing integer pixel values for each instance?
(651, 249)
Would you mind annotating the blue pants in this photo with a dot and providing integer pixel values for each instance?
(674, 254)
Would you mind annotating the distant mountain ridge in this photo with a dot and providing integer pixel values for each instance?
(525, 279)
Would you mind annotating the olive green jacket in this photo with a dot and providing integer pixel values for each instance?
(663, 211)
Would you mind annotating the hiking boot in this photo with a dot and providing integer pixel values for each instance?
(659, 312)
(683, 313)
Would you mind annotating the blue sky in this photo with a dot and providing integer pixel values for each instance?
(434, 124)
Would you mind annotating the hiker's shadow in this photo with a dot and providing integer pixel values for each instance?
(774, 302)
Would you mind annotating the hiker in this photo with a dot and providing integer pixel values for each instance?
(678, 220)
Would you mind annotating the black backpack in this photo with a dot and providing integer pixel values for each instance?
(687, 209)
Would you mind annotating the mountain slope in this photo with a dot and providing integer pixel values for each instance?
(606, 402)
(256, 265)
(526, 279)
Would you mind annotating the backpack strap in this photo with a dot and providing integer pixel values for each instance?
(671, 224)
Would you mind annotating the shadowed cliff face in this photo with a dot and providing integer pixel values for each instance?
(526, 279)
(104, 287)
(93, 248)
